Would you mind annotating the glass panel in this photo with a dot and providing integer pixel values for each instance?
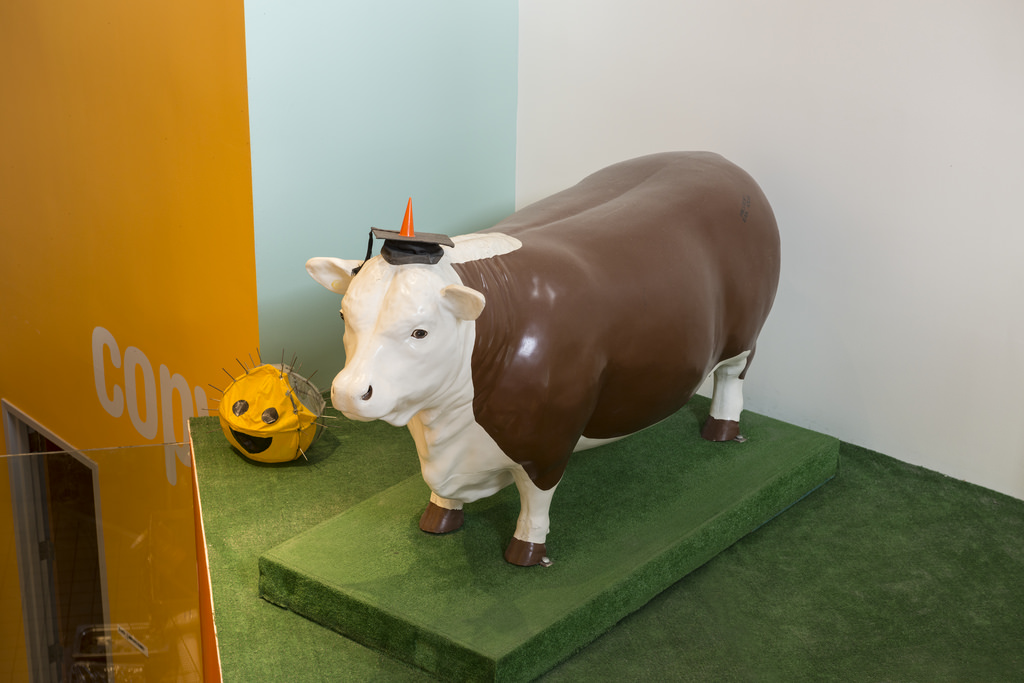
(105, 560)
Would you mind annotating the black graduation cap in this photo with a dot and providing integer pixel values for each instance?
(406, 246)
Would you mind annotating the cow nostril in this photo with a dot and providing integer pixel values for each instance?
(368, 394)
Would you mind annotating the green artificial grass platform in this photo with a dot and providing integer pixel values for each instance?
(628, 520)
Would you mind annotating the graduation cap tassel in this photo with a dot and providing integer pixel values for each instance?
(369, 250)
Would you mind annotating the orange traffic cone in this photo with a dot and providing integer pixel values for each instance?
(407, 230)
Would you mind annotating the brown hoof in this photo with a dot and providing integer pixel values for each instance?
(526, 554)
(720, 430)
(439, 520)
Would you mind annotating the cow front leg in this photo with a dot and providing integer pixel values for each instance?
(442, 515)
(527, 546)
(723, 424)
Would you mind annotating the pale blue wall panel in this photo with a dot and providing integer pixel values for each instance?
(354, 107)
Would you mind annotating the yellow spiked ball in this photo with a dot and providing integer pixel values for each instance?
(269, 414)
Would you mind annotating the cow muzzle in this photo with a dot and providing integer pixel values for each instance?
(356, 398)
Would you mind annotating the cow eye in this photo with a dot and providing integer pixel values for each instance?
(419, 334)
(239, 408)
(270, 415)
(342, 314)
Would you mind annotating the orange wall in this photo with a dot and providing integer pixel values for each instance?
(127, 268)
(127, 206)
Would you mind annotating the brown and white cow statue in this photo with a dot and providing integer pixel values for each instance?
(582, 318)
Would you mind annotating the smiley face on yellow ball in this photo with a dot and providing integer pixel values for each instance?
(270, 413)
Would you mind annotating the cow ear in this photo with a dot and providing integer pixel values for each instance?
(333, 273)
(466, 303)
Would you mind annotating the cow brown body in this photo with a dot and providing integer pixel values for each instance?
(629, 288)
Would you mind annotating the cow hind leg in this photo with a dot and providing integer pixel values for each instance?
(723, 424)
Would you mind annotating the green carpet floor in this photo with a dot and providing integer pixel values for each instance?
(888, 573)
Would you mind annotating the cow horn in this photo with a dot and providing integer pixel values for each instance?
(407, 230)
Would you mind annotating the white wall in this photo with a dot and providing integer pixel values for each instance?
(888, 136)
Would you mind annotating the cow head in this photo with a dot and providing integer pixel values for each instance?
(408, 340)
